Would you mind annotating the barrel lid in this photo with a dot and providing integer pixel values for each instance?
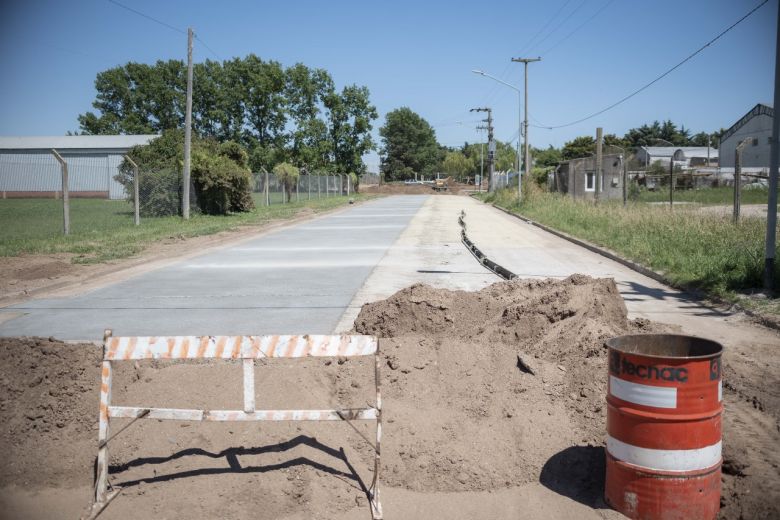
(666, 346)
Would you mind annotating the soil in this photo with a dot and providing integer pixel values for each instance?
(482, 391)
(453, 188)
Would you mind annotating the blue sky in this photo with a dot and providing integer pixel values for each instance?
(417, 54)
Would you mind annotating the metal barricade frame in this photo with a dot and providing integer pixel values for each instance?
(248, 349)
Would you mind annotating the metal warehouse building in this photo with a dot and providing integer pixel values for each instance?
(756, 128)
(29, 169)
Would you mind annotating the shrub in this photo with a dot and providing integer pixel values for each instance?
(288, 176)
(222, 185)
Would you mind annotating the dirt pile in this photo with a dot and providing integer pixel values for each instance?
(465, 415)
(48, 404)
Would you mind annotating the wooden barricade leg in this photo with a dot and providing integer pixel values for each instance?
(101, 485)
(376, 506)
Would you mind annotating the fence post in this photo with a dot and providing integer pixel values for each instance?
(297, 183)
(671, 183)
(267, 194)
(737, 180)
(136, 202)
(348, 186)
(65, 193)
(308, 184)
(341, 185)
(319, 187)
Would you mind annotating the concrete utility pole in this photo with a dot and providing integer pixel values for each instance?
(65, 193)
(185, 188)
(774, 158)
(136, 201)
(491, 143)
(738, 179)
(525, 62)
(599, 160)
(481, 160)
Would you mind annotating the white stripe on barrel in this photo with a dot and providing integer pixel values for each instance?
(646, 395)
(665, 460)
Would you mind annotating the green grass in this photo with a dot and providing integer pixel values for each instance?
(103, 230)
(691, 249)
(723, 195)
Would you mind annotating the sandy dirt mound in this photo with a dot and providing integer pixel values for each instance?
(48, 410)
(462, 413)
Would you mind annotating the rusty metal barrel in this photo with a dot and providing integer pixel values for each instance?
(664, 406)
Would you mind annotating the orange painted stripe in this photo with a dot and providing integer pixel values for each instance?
(236, 347)
(255, 346)
(204, 343)
(104, 388)
(220, 346)
(104, 411)
(113, 343)
(291, 344)
(130, 347)
(171, 344)
(272, 347)
(185, 348)
(308, 347)
(105, 373)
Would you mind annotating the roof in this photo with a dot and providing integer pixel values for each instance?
(75, 142)
(758, 110)
(688, 151)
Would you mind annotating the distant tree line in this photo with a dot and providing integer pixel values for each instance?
(410, 146)
(276, 114)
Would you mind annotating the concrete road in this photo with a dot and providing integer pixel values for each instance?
(298, 279)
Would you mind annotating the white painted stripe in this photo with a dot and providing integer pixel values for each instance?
(647, 395)
(720, 390)
(665, 460)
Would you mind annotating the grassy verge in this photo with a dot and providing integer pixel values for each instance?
(691, 249)
(723, 195)
(103, 230)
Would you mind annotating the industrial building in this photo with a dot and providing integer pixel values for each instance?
(683, 156)
(29, 169)
(755, 127)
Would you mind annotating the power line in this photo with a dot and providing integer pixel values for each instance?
(659, 78)
(207, 47)
(559, 25)
(525, 47)
(583, 24)
(155, 20)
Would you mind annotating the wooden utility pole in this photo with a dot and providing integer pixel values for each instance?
(65, 193)
(527, 160)
(671, 182)
(774, 159)
(599, 160)
(185, 188)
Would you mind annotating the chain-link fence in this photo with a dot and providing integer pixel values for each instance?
(45, 193)
(269, 189)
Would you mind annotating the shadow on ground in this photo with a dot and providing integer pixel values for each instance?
(577, 473)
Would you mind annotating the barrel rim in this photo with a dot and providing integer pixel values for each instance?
(611, 343)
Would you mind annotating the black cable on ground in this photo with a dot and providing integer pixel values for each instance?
(490, 265)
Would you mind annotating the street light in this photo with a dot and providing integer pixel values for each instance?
(519, 121)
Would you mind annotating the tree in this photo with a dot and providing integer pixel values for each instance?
(457, 165)
(350, 114)
(582, 146)
(288, 175)
(549, 157)
(409, 145)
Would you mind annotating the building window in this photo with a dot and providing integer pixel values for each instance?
(590, 181)
(755, 142)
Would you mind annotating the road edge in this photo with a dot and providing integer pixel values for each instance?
(705, 299)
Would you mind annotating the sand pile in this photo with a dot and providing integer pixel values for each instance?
(465, 415)
(48, 404)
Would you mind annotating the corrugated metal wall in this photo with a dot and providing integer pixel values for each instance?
(91, 174)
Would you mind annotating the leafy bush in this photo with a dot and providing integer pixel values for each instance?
(288, 176)
(221, 184)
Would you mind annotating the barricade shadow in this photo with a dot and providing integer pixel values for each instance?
(577, 473)
(231, 457)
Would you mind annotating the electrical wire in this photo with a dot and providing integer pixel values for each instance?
(529, 42)
(583, 24)
(207, 47)
(559, 25)
(659, 78)
(155, 20)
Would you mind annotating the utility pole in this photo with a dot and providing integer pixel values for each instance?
(481, 160)
(185, 188)
(774, 158)
(599, 161)
(491, 143)
(525, 62)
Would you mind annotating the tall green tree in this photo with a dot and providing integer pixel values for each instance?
(581, 146)
(408, 145)
(457, 165)
(350, 114)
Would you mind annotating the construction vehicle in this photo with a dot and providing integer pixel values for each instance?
(441, 185)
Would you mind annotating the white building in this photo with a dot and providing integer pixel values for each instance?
(685, 156)
(28, 167)
(756, 128)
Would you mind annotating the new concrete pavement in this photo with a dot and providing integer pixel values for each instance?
(299, 279)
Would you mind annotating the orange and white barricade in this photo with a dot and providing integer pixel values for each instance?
(247, 348)
(664, 411)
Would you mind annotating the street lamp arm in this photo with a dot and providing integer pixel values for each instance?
(483, 73)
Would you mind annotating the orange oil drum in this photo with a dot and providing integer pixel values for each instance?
(664, 405)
